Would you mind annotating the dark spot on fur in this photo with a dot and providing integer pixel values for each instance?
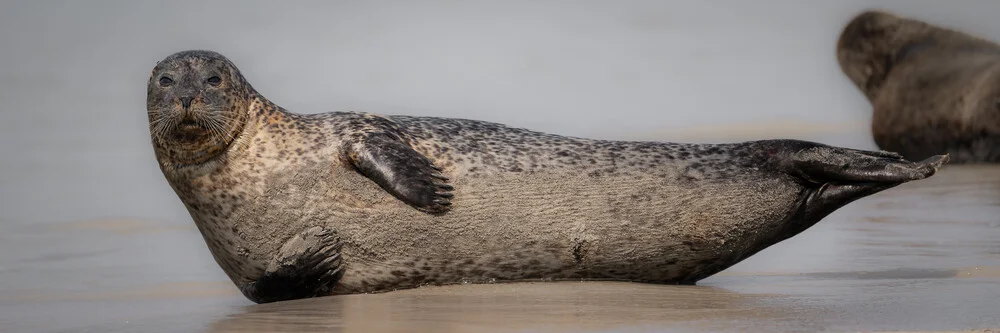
(578, 252)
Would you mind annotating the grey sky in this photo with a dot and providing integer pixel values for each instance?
(72, 74)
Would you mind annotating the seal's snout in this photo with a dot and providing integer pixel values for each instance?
(186, 101)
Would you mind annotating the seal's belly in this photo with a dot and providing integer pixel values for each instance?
(518, 227)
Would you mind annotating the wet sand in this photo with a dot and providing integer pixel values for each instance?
(921, 257)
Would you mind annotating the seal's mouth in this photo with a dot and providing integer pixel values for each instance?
(189, 129)
(189, 124)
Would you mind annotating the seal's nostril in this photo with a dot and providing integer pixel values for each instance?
(186, 101)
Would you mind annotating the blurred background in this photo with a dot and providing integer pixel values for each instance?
(75, 149)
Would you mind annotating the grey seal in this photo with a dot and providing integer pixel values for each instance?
(933, 90)
(303, 205)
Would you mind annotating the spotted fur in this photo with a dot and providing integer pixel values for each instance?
(302, 205)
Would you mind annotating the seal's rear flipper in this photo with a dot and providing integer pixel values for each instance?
(834, 177)
(825, 164)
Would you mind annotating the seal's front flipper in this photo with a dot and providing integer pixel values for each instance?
(826, 164)
(308, 265)
(403, 172)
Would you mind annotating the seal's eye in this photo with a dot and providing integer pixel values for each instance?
(166, 81)
(215, 80)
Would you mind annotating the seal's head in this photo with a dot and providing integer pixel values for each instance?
(869, 44)
(197, 103)
(874, 43)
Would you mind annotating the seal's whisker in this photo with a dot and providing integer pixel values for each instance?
(222, 119)
(218, 127)
(217, 130)
(162, 129)
(220, 113)
(158, 120)
(156, 124)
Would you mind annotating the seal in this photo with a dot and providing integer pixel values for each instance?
(303, 205)
(933, 90)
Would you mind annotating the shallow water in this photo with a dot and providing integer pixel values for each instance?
(922, 256)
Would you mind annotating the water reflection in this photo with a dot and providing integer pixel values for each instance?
(548, 307)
